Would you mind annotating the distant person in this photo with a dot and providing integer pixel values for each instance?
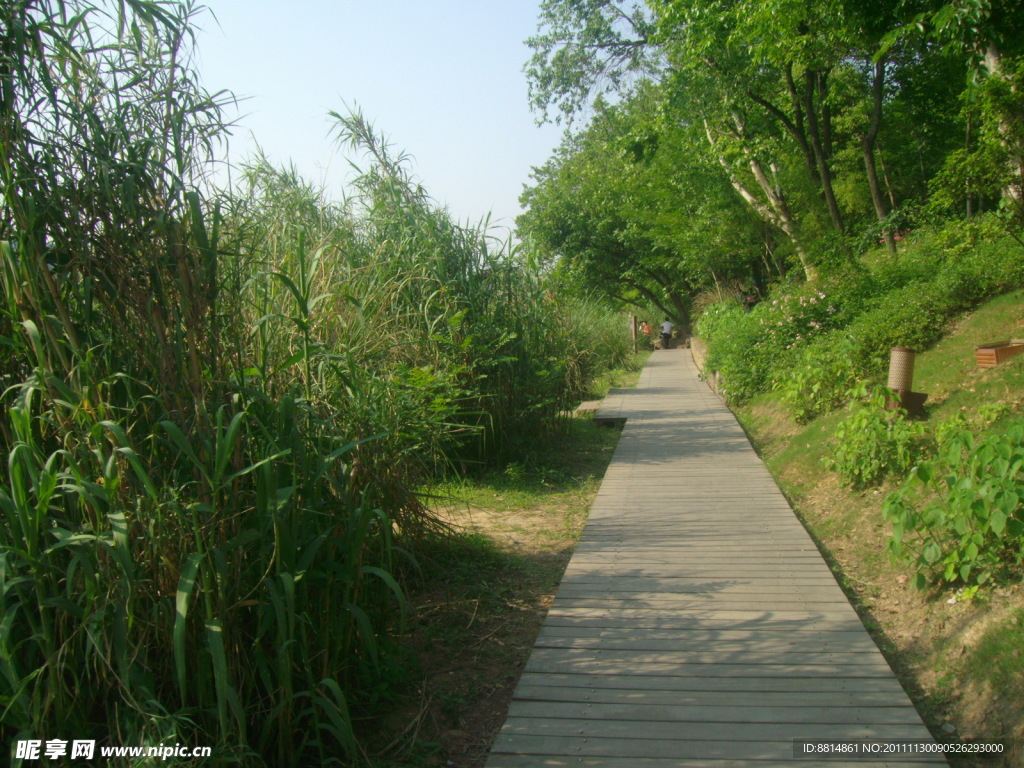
(645, 328)
(666, 332)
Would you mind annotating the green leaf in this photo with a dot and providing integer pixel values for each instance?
(226, 444)
(179, 439)
(971, 552)
(186, 583)
(997, 522)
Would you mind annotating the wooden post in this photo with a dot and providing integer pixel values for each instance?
(632, 332)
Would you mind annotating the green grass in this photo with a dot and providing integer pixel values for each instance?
(998, 656)
(479, 599)
(949, 374)
(556, 470)
(618, 378)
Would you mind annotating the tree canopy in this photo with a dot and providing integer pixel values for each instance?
(717, 139)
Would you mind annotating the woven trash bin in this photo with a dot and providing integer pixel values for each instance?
(901, 369)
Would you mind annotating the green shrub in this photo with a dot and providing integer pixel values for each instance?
(959, 517)
(747, 348)
(902, 301)
(737, 350)
(793, 319)
(716, 320)
(850, 291)
(820, 380)
(874, 442)
(992, 267)
(911, 317)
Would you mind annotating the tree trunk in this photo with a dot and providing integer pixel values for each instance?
(814, 133)
(682, 310)
(797, 128)
(826, 114)
(885, 178)
(867, 144)
(783, 216)
(776, 212)
(1015, 187)
(967, 148)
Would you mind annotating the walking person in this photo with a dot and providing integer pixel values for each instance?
(666, 333)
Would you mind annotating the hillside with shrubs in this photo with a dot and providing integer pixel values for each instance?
(804, 187)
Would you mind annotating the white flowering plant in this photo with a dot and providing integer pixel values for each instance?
(792, 320)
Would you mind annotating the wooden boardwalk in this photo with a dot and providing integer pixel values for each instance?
(697, 624)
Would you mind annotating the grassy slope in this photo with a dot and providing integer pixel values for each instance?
(962, 662)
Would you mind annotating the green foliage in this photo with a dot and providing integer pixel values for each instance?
(833, 128)
(215, 415)
(813, 342)
(613, 205)
(907, 317)
(794, 318)
(737, 350)
(874, 442)
(820, 380)
(958, 518)
(988, 264)
(752, 349)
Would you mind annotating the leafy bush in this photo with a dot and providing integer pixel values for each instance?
(795, 318)
(747, 348)
(874, 442)
(959, 517)
(735, 350)
(907, 317)
(914, 315)
(850, 291)
(903, 301)
(716, 319)
(992, 267)
(820, 380)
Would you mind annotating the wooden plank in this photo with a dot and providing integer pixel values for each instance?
(772, 643)
(675, 603)
(563, 761)
(758, 667)
(696, 634)
(774, 753)
(644, 733)
(544, 690)
(759, 712)
(717, 616)
(736, 685)
(758, 595)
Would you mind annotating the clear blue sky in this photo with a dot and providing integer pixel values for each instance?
(442, 79)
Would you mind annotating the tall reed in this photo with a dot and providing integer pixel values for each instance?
(217, 408)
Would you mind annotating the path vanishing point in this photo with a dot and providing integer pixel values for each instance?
(697, 625)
